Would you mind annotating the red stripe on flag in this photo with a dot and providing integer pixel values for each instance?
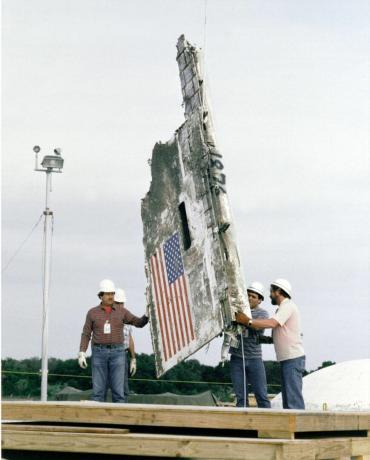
(168, 326)
(180, 320)
(186, 321)
(171, 302)
(159, 308)
(183, 280)
(168, 306)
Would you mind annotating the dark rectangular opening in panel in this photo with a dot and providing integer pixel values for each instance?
(186, 238)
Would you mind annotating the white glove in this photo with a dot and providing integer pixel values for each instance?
(82, 360)
(132, 367)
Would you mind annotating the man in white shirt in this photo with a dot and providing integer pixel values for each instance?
(287, 338)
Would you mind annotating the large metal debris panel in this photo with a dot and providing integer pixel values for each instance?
(194, 279)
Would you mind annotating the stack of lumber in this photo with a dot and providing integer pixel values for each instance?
(184, 431)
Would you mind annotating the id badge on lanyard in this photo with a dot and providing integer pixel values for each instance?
(107, 329)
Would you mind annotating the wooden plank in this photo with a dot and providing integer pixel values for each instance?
(333, 448)
(331, 421)
(141, 414)
(63, 429)
(95, 440)
(275, 434)
(200, 447)
(341, 447)
(185, 416)
(360, 446)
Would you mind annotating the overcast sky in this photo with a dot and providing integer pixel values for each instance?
(289, 86)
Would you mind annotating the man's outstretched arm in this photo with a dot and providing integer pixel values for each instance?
(269, 323)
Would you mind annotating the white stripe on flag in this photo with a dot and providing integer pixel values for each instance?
(182, 304)
(185, 291)
(173, 310)
(180, 321)
(159, 310)
(172, 305)
(171, 349)
(167, 304)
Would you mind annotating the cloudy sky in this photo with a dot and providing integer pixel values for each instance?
(289, 85)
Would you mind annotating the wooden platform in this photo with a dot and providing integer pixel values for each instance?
(184, 431)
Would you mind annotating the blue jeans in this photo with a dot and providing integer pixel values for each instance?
(126, 390)
(291, 382)
(108, 370)
(255, 375)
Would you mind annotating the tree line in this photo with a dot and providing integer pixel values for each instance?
(22, 379)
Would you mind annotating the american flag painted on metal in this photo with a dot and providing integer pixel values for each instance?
(170, 291)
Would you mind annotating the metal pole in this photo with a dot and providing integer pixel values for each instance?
(46, 257)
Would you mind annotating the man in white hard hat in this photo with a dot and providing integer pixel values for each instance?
(105, 324)
(128, 344)
(287, 337)
(246, 365)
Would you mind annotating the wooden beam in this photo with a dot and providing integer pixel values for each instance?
(63, 429)
(332, 421)
(87, 439)
(200, 447)
(185, 416)
(360, 447)
(275, 434)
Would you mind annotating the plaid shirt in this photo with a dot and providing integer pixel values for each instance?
(94, 324)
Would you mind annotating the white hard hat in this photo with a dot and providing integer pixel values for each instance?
(284, 285)
(106, 286)
(258, 288)
(120, 295)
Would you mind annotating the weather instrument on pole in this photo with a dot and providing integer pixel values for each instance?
(50, 164)
(195, 283)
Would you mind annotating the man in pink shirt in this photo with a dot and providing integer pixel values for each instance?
(287, 338)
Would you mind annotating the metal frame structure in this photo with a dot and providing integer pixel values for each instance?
(51, 164)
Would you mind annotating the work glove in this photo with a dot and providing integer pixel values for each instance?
(132, 367)
(82, 360)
